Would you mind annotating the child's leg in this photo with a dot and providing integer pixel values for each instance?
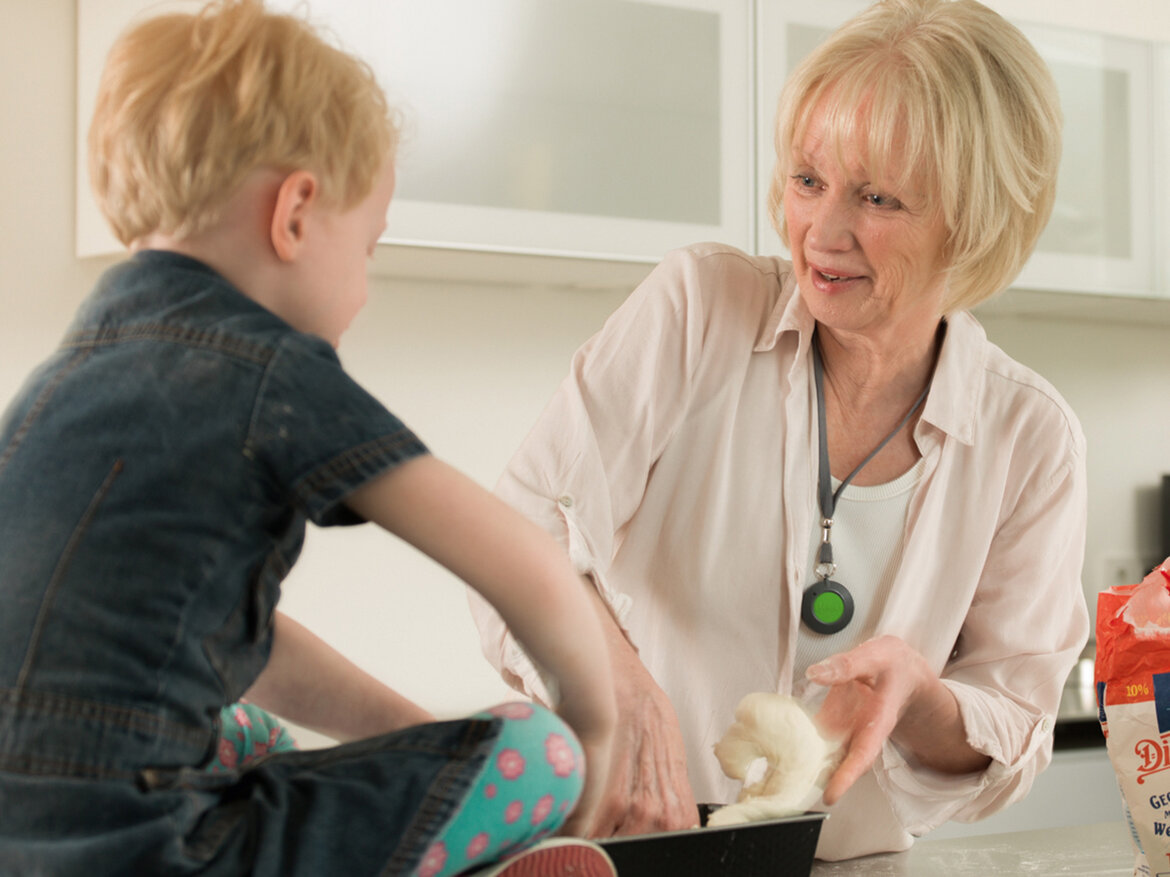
(246, 733)
(373, 806)
(529, 785)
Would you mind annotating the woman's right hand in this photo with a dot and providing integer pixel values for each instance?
(648, 786)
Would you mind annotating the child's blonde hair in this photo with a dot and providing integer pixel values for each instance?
(189, 105)
(955, 98)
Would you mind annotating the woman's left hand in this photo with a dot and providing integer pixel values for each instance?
(883, 688)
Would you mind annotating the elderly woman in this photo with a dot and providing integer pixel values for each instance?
(820, 475)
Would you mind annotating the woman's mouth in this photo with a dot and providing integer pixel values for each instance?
(833, 277)
(831, 281)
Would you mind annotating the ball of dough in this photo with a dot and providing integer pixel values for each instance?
(797, 760)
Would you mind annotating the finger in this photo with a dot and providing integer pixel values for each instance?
(828, 672)
(850, 770)
(866, 661)
(854, 665)
(864, 748)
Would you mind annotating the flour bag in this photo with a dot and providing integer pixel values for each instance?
(1132, 679)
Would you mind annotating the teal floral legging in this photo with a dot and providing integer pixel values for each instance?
(527, 789)
(529, 784)
(246, 733)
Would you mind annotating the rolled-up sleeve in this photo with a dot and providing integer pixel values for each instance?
(1022, 633)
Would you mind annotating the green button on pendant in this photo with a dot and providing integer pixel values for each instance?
(828, 607)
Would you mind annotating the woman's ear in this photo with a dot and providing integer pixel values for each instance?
(297, 194)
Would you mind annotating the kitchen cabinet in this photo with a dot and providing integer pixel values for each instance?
(613, 130)
(1110, 223)
(600, 128)
(1101, 234)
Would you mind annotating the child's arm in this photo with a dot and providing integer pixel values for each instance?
(526, 576)
(308, 682)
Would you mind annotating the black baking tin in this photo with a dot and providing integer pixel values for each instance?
(772, 848)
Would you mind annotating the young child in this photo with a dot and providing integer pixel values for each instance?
(156, 474)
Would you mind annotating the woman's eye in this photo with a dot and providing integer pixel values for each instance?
(886, 202)
(804, 181)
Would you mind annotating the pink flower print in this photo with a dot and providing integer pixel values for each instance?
(434, 860)
(490, 790)
(478, 844)
(227, 753)
(514, 811)
(511, 764)
(241, 716)
(515, 710)
(273, 736)
(543, 807)
(560, 755)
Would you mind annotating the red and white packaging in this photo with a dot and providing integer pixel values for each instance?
(1132, 679)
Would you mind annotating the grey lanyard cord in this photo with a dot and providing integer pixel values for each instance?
(827, 497)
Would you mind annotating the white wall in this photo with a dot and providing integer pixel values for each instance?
(469, 366)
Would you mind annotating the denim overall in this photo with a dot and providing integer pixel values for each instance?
(156, 475)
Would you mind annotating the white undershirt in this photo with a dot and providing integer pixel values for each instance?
(868, 524)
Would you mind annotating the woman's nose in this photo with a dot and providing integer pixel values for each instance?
(831, 226)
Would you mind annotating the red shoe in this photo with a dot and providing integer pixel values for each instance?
(558, 857)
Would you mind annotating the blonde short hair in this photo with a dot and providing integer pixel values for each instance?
(957, 99)
(189, 105)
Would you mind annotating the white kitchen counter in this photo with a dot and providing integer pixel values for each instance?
(1100, 850)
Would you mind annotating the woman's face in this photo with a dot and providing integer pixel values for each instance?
(869, 257)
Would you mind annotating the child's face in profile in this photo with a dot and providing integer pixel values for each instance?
(334, 266)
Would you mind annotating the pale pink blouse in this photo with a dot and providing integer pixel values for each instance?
(677, 464)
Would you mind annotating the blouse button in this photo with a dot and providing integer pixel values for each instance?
(566, 501)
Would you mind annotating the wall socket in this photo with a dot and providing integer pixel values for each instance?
(1122, 569)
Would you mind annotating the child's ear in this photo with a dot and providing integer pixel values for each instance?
(296, 195)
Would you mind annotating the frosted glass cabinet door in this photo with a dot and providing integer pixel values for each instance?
(615, 128)
(1101, 235)
(607, 128)
(1101, 238)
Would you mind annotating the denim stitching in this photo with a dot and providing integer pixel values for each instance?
(224, 343)
(129, 718)
(31, 765)
(42, 400)
(350, 461)
(430, 817)
(35, 704)
(261, 390)
(62, 563)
